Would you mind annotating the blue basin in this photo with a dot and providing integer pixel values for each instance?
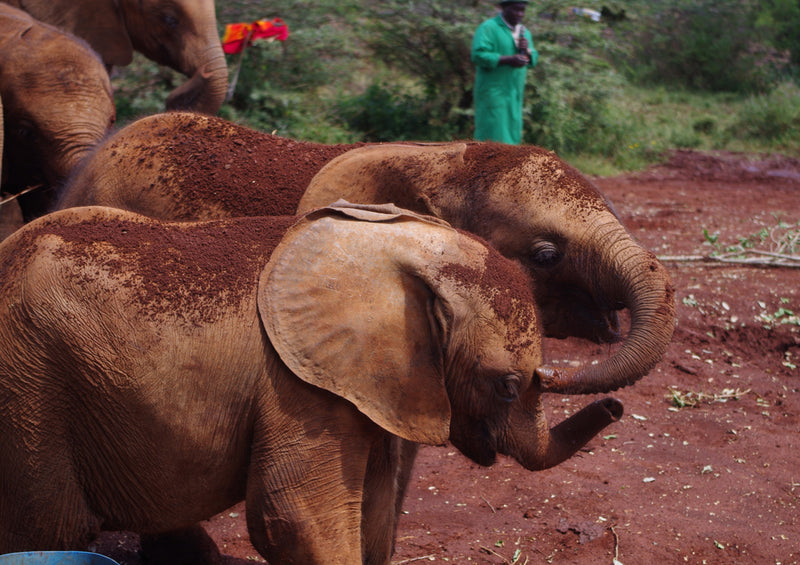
(55, 558)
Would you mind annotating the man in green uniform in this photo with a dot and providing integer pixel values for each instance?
(502, 51)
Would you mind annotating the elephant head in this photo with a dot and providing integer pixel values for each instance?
(181, 34)
(57, 103)
(536, 209)
(434, 337)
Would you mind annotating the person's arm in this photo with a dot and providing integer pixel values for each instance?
(517, 60)
(485, 52)
(521, 57)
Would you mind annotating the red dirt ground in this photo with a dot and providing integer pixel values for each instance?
(717, 482)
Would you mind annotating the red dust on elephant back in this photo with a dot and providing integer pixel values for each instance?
(198, 270)
(243, 171)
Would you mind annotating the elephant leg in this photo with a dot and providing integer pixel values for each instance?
(305, 483)
(408, 455)
(383, 492)
(190, 546)
(42, 502)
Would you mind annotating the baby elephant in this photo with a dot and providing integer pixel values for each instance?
(153, 374)
(57, 104)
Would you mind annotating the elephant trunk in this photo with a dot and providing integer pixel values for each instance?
(535, 447)
(646, 290)
(205, 90)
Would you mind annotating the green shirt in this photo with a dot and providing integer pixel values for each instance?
(498, 88)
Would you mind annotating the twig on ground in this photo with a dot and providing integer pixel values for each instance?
(616, 547)
(423, 558)
(775, 259)
(516, 558)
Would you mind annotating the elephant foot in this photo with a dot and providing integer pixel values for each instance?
(191, 546)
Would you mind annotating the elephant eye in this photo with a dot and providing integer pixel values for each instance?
(507, 388)
(545, 254)
(26, 131)
(170, 20)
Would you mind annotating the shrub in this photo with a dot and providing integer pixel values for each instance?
(771, 117)
(700, 44)
(385, 113)
(567, 94)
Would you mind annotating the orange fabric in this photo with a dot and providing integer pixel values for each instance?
(240, 35)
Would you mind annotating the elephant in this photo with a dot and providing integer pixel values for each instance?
(155, 373)
(180, 34)
(525, 201)
(57, 105)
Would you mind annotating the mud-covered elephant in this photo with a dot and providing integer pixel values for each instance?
(529, 204)
(57, 105)
(153, 374)
(180, 34)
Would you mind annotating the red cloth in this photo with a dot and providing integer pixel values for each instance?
(236, 35)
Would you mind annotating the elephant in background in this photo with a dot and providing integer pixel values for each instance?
(153, 374)
(180, 34)
(57, 105)
(529, 204)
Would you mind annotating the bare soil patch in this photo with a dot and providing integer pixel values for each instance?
(704, 467)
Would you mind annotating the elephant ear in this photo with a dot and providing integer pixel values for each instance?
(377, 212)
(98, 22)
(406, 174)
(345, 312)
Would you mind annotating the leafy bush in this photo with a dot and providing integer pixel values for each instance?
(290, 87)
(426, 91)
(566, 98)
(383, 114)
(780, 19)
(566, 103)
(700, 44)
(774, 116)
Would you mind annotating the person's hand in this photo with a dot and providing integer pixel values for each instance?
(522, 49)
(514, 60)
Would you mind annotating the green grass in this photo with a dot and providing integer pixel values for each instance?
(644, 124)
